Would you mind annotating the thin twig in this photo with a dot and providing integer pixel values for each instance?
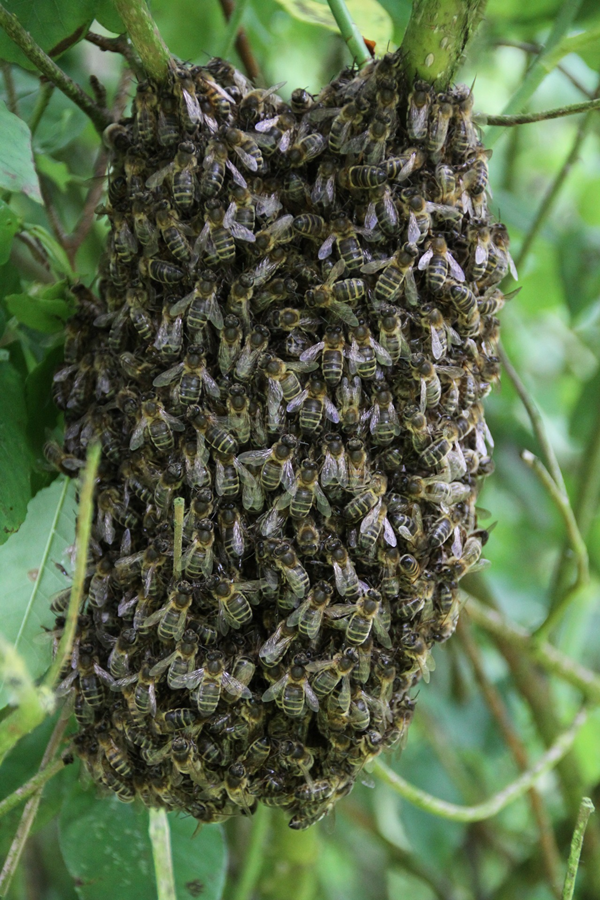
(253, 860)
(541, 652)
(31, 807)
(233, 28)
(84, 528)
(564, 507)
(31, 786)
(43, 99)
(9, 84)
(497, 802)
(350, 32)
(529, 118)
(160, 838)
(118, 44)
(497, 708)
(538, 69)
(48, 67)
(38, 253)
(52, 214)
(242, 45)
(178, 511)
(146, 38)
(555, 188)
(535, 48)
(585, 811)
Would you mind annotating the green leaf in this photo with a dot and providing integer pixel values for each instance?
(9, 225)
(108, 16)
(578, 251)
(43, 314)
(42, 412)
(55, 26)
(17, 172)
(29, 575)
(15, 457)
(586, 44)
(372, 19)
(56, 255)
(56, 171)
(107, 850)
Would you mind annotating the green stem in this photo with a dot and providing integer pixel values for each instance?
(536, 420)
(350, 32)
(178, 511)
(538, 68)
(543, 653)
(564, 507)
(146, 38)
(84, 529)
(290, 868)
(499, 801)
(48, 67)
(554, 189)
(31, 786)
(233, 26)
(585, 811)
(529, 118)
(43, 99)
(9, 86)
(253, 861)
(437, 36)
(160, 838)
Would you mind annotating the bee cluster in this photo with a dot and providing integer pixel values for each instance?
(294, 331)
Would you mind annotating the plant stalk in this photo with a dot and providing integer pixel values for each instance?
(146, 38)
(350, 32)
(160, 838)
(585, 811)
(529, 118)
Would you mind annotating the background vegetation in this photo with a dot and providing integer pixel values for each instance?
(490, 710)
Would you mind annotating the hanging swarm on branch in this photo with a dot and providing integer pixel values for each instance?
(295, 329)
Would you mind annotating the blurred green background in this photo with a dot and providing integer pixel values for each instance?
(379, 846)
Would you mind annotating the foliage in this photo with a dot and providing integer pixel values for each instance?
(381, 846)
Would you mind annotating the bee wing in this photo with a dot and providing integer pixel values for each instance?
(297, 402)
(371, 517)
(374, 418)
(338, 610)
(370, 219)
(481, 254)
(311, 698)
(437, 347)
(287, 474)
(175, 424)
(388, 533)
(267, 205)
(65, 686)
(331, 412)
(189, 681)
(276, 689)
(180, 307)
(137, 438)
(355, 144)
(382, 635)
(156, 616)
(242, 233)
(123, 682)
(343, 312)
(192, 106)
(235, 687)
(450, 372)
(284, 500)
(168, 376)
(326, 247)
(375, 266)
(414, 232)
(322, 502)
(407, 169)
(511, 266)
(329, 472)
(248, 160)
(286, 140)
(158, 177)
(210, 385)
(312, 352)
(254, 456)
(456, 270)
(383, 357)
(236, 174)
(424, 261)
(266, 124)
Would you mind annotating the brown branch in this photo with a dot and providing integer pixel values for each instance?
(120, 45)
(242, 45)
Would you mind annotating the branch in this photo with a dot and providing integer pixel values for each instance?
(160, 838)
(233, 27)
(538, 69)
(31, 786)
(9, 86)
(146, 38)
(118, 44)
(48, 67)
(178, 511)
(498, 801)
(242, 45)
(350, 32)
(437, 36)
(43, 99)
(541, 652)
(528, 118)
(535, 48)
(253, 860)
(84, 527)
(585, 811)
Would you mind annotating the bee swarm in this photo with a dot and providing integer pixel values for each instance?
(294, 332)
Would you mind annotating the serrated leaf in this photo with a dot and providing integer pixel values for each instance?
(371, 18)
(17, 172)
(55, 26)
(29, 574)
(15, 456)
(107, 850)
(43, 314)
(9, 225)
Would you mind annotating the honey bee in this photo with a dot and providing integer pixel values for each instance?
(301, 101)
(193, 377)
(246, 148)
(308, 617)
(415, 647)
(292, 691)
(269, 265)
(286, 561)
(346, 580)
(343, 234)
(365, 353)
(335, 296)
(258, 104)
(306, 149)
(202, 305)
(180, 663)
(209, 683)
(382, 416)
(439, 117)
(431, 387)
(335, 673)
(400, 168)
(417, 116)
(349, 397)
(172, 617)
(296, 755)
(217, 235)
(229, 473)
(276, 132)
(276, 461)
(464, 134)
(161, 271)
(397, 273)
(158, 425)
(230, 344)
(63, 462)
(276, 646)
(304, 493)
(331, 349)
(361, 617)
(231, 530)
(209, 430)
(475, 181)
(145, 105)
(348, 118)
(323, 191)
(314, 405)
(500, 261)
(438, 261)
(181, 174)
(173, 231)
(234, 608)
